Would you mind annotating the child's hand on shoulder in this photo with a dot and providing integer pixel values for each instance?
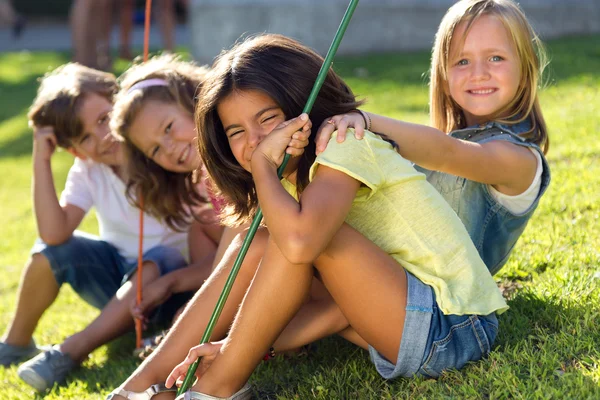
(289, 137)
(341, 123)
(44, 142)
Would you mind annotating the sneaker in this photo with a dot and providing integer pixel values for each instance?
(10, 354)
(46, 369)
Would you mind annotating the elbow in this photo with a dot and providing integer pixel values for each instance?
(53, 238)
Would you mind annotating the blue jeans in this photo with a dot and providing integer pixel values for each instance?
(433, 342)
(95, 269)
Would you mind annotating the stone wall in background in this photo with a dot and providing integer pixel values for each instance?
(377, 25)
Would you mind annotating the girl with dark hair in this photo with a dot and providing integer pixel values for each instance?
(392, 253)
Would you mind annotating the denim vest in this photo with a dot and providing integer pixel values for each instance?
(493, 229)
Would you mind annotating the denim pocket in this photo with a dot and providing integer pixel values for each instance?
(466, 341)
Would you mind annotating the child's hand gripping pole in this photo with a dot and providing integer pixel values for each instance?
(189, 377)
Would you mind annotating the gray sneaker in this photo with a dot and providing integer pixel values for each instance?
(46, 369)
(10, 354)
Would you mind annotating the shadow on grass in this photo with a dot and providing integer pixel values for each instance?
(537, 345)
(334, 368)
(17, 99)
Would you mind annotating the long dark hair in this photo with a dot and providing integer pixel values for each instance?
(283, 69)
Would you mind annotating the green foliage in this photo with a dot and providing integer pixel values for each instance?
(547, 347)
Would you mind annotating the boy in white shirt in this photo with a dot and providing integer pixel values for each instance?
(71, 110)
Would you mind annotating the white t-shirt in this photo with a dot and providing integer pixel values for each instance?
(93, 184)
(520, 203)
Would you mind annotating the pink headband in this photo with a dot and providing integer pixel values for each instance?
(148, 83)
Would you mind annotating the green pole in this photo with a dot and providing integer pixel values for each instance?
(189, 377)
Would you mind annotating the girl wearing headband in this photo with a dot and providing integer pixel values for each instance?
(152, 115)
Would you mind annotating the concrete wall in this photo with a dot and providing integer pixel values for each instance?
(377, 25)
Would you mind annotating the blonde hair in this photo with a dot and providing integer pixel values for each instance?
(446, 114)
(60, 95)
(166, 195)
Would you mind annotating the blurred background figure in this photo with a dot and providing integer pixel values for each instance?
(166, 17)
(90, 32)
(91, 25)
(9, 16)
(164, 11)
(125, 26)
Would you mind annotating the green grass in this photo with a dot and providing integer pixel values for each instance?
(548, 341)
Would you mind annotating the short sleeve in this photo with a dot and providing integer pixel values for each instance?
(355, 158)
(77, 190)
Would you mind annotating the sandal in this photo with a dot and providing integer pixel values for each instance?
(145, 395)
(242, 394)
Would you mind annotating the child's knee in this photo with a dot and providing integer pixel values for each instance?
(38, 264)
(150, 272)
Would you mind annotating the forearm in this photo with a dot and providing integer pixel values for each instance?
(50, 217)
(423, 145)
(281, 211)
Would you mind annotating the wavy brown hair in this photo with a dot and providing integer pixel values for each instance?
(167, 195)
(446, 115)
(283, 69)
(60, 95)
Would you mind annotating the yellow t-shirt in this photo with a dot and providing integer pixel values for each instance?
(399, 211)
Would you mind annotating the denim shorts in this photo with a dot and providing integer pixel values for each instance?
(433, 342)
(95, 269)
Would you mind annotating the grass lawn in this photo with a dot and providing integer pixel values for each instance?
(548, 345)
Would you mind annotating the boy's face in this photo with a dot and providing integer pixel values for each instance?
(96, 143)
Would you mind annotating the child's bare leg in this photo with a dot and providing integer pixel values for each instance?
(188, 329)
(226, 239)
(369, 286)
(37, 278)
(274, 297)
(352, 336)
(83, 34)
(318, 318)
(166, 21)
(125, 25)
(114, 320)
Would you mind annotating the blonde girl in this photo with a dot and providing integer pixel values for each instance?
(490, 167)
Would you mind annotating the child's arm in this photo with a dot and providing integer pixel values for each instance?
(509, 168)
(55, 223)
(300, 230)
(190, 278)
(204, 255)
(204, 236)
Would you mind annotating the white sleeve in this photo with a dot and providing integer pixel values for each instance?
(77, 189)
(520, 203)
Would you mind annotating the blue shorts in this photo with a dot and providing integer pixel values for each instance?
(433, 342)
(95, 269)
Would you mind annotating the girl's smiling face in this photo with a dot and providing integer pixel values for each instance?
(248, 117)
(484, 75)
(166, 134)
